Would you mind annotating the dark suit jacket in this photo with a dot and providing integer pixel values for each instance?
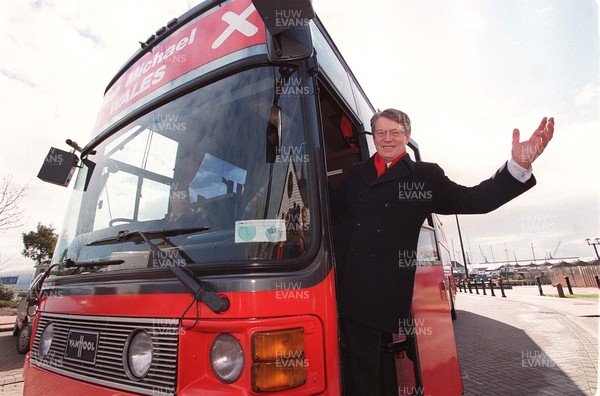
(376, 229)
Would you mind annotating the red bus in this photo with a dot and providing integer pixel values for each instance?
(196, 254)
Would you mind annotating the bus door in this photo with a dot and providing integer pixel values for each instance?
(430, 365)
(340, 138)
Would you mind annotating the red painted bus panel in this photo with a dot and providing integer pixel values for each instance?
(435, 334)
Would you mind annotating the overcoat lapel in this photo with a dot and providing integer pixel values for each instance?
(368, 172)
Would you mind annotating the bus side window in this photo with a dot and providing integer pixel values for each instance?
(427, 252)
(340, 138)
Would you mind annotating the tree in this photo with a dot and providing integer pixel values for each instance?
(39, 245)
(10, 210)
(7, 293)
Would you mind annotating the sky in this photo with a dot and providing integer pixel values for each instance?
(466, 71)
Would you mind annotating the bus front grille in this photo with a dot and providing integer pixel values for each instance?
(106, 365)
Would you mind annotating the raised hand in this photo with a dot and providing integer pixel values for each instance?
(524, 153)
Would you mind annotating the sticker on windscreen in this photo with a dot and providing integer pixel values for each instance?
(268, 230)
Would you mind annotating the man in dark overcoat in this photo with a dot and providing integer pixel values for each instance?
(378, 211)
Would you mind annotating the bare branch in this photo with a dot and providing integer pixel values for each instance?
(2, 261)
(11, 212)
(5, 262)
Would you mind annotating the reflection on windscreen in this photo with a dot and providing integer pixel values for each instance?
(135, 151)
(209, 181)
(200, 160)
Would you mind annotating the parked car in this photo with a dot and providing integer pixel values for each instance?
(25, 312)
(481, 278)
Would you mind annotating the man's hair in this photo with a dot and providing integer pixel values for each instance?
(392, 114)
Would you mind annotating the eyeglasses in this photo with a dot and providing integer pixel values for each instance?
(393, 132)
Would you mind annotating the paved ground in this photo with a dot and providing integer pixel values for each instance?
(11, 363)
(526, 344)
(520, 345)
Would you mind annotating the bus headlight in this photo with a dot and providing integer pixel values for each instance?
(46, 340)
(226, 358)
(138, 355)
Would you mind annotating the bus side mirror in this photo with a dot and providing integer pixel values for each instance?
(58, 167)
(288, 32)
(291, 45)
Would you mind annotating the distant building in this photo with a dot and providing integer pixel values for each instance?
(21, 280)
(531, 272)
(580, 273)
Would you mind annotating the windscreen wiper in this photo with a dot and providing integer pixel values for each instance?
(209, 297)
(68, 263)
(136, 236)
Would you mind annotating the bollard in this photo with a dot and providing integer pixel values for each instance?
(469, 284)
(568, 282)
(501, 287)
(492, 288)
(476, 288)
(539, 283)
(560, 291)
(483, 287)
(597, 281)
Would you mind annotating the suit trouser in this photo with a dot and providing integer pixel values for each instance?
(361, 360)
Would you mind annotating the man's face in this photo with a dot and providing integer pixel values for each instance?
(390, 145)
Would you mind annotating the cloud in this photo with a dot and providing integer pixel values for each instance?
(587, 95)
(13, 76)
(86, 33)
